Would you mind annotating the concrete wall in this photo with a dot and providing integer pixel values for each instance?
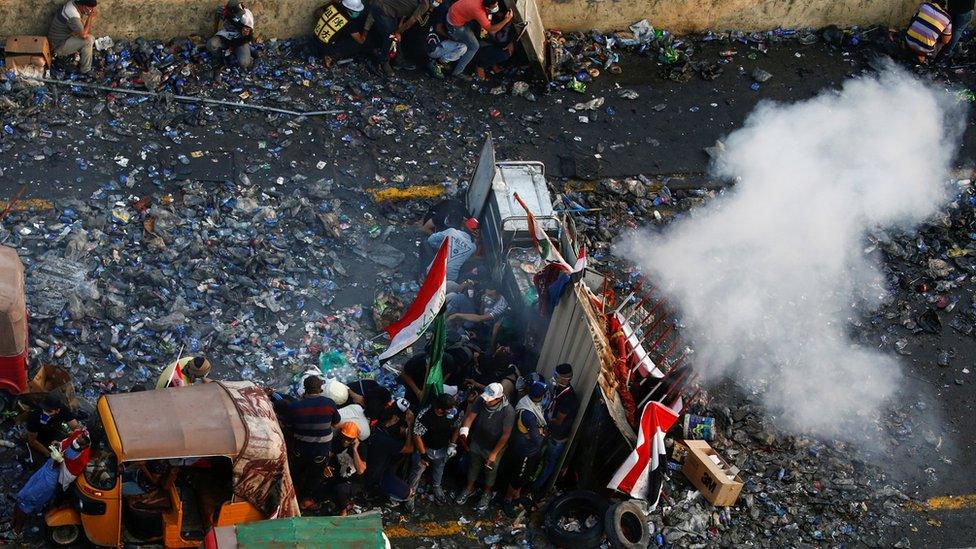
(284, 18)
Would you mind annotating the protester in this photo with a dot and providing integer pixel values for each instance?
(373, 397)
(68, 34)
(930, 27)
(233, 30)
(961, 12)
(435, 436)
(386, 450)
(463, 315)
(441, 50)
(488, 426)
(461, 248)
(341, 480)
(496, 48)
(525, 446)
(67, 459)
(561, 410)
(461, 17)
(52, 421)
(449, 213)
(185, 371)
(386, 23)
(311, 420)
(414, 375)
(338, 31)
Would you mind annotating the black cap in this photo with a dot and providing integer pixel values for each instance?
(89, 3)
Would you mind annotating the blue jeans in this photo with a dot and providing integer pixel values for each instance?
(467, 37)
(448, 51)
(554, 450)
(437, 459)
(960, 22)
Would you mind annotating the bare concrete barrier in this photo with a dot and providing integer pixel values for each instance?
(287, 18)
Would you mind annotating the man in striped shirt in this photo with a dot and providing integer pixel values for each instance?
(930, 27)
(311, 420)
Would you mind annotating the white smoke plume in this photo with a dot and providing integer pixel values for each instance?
(769, 276)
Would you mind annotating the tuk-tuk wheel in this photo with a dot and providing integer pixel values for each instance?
(64, 535)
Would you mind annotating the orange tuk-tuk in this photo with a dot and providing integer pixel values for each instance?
(13, 327)
(221, 460)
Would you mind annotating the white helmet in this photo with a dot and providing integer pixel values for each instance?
(336, 390)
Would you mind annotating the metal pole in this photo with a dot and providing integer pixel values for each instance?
(188, 98)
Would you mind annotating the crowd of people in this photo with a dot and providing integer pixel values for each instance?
(496, 428)
(445, 36)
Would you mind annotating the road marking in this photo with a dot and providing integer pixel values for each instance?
(434, 529)
(35, 204)
(410, 193)
(950, 503)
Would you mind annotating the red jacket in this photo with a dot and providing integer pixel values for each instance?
(77, 465)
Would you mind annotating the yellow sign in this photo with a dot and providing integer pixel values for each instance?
(329, 24)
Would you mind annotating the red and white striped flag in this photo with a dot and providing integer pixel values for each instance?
(634, 475)
(424, 309)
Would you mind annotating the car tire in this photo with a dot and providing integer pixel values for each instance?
(64, 536)
(576, 502)
(626, 526)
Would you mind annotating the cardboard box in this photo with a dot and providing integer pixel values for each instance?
(22, 51)
(711, 479)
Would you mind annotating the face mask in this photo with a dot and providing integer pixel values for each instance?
(354, 14)
(44, 418)
(435, 4)
(495, 407)
(494, 9)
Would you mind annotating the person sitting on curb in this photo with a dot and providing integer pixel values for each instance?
(67, 34)
(460, 19)
(233, 30)
(338, 31)
(387, 21)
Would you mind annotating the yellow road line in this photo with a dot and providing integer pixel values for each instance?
(433, 529)
(410, 193)
(28, 204)
(950, 503)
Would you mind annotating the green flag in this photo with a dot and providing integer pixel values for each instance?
(434, 384)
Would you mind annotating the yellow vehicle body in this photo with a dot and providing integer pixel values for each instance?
(165, 424)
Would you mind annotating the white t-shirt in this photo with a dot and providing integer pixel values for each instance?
(461, 248)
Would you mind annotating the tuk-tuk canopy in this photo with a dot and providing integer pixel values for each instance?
(13, 307)
(223, 418)
(194, 421)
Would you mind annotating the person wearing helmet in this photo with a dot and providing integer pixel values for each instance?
(233, 30)
(338, 32)
(342, 477)
(68, 34)
(185, 371)
(463, 22)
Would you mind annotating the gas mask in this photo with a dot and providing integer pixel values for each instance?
(354, 14)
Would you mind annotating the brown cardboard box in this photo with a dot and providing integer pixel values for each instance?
(711, 480)
(27, 50)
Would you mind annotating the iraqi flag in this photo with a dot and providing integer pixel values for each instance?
(424, 309)
(541, 240)
(642, 474)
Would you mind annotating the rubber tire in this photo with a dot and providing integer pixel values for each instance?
(617, 530)
(70, 540)
(569, 501)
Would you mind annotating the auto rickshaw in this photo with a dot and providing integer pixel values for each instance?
(225, 459)
(13, 328)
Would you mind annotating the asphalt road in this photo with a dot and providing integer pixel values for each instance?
(640, 137)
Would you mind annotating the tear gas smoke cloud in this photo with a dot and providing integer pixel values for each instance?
(769, 276)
